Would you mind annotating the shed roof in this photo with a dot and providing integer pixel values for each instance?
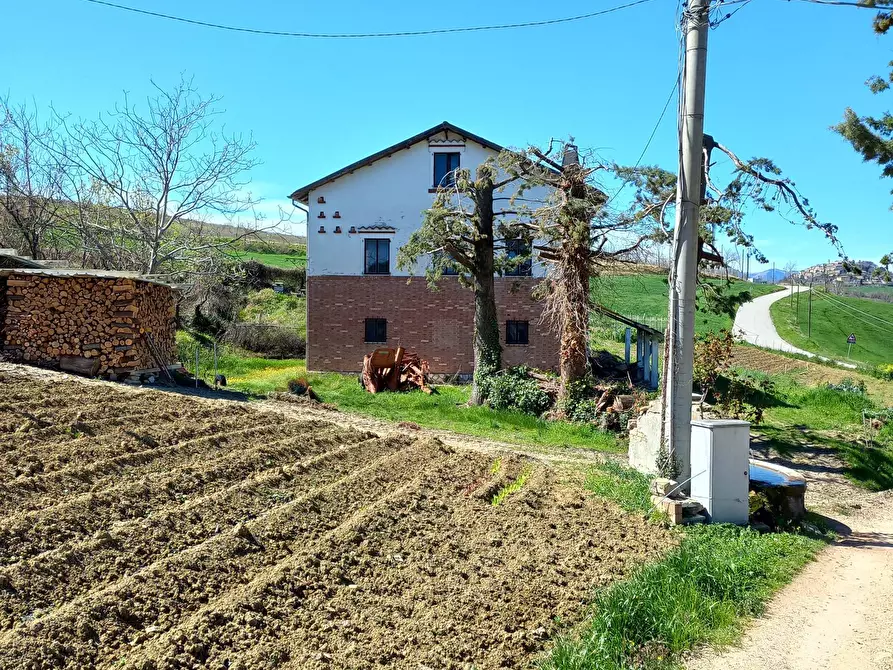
(625, 320)
(303, 193)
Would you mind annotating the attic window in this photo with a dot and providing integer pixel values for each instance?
(445, 165)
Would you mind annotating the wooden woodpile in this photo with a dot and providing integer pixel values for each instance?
(394, 370)
(123, 324)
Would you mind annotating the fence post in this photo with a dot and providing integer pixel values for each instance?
(629, 339)
(197, 349)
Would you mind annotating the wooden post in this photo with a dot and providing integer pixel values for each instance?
(655, 375)
(628, 341)
(640, 347)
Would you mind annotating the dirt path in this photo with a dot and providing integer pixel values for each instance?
(836, 615)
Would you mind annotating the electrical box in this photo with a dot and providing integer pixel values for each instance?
(720, 468)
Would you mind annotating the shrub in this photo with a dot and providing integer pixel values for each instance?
(885, 371)
(514, 388)
(272, 341)
(259, 276)
(856, 387)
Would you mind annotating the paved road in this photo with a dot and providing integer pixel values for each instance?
(754, 324)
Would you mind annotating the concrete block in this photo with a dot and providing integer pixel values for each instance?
(662, 486)
(672, 508)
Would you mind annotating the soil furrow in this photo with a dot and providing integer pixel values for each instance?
(32, 492)
(30, 533)
(97, 440)
(60, 575)
(100, 626)
(454, 580)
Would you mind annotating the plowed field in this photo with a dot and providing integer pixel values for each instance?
(141, 529)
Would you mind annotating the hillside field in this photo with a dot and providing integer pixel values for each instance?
(647, 295)
(833, 319)
(274, 260)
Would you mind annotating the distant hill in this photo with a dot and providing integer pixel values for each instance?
(770, 276)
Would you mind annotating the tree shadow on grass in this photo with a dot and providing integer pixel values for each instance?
(803, 449)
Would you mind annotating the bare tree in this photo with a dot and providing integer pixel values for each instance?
(30, 182)
(146, 178)
(576, 239)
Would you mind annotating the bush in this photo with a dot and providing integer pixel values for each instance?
(272, 341)
(884, 371)
(515, 389)
(856, 387)
(258, 276)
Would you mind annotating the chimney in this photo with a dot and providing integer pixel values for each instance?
(571, 154)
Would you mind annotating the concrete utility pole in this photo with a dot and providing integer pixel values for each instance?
(683, 291)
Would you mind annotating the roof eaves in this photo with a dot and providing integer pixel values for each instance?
(302, 194)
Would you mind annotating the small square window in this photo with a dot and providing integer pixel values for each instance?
(517, 332)
(377, 257)
(445, 165)
(376, 330)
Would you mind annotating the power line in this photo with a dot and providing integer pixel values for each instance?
(408, 33)
(841, 303)
(650, 139)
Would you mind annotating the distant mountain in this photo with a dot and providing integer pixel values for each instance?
(770, 276)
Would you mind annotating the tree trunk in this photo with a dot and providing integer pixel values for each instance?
(574, 354)
(487, 349)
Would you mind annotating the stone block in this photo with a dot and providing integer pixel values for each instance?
(672, 508)
(662, 486)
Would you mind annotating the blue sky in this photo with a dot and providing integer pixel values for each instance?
(779, 74)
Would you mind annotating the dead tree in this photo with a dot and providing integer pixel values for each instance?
(574, 237)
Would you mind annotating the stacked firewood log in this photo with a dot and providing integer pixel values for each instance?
(124, 324)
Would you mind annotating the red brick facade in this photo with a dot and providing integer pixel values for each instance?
(435, 324)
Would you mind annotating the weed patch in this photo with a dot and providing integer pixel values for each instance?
(696, 595)
(513, 487)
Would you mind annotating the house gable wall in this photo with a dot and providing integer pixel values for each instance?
(392, 192)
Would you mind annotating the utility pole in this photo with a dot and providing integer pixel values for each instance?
(683, 289)
(809, 313)
(798, 301)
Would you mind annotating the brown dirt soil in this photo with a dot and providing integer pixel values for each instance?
(151, 530)
(812, 373)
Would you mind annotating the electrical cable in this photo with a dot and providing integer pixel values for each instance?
(408, 33)
(856, 310)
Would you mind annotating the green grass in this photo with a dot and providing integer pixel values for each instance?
(803, 418)
(513, 487)
(874, 292)
(267, 306)
(627, 487)
(697, 594)
(647, 295)
(445, 410)
(294, 260)
(833, 319)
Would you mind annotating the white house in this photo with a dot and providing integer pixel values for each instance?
(358, 217)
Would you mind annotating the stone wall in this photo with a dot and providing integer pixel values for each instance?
(438, 325)
(45, 317)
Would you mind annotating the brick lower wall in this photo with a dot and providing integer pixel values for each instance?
(438, 325)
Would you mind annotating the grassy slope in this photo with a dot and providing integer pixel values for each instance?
(267, 306)
(647, 294)
(697, 594)
(802, 417)
(273, 260)
(445, 410)
(832, 323)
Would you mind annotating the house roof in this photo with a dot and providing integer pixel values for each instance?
(303, 193)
